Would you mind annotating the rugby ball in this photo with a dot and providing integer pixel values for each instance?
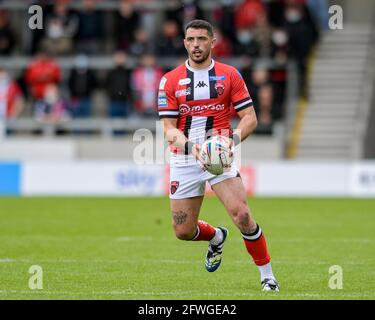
(216, 154)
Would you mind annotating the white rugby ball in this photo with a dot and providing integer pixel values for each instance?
(216, 154)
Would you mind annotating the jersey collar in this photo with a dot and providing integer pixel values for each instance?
(199, 70)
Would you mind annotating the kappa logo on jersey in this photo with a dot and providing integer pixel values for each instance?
(183, 92)
(201, 84)
(162, 99)
(174, 186)
(219, 87)
(184, 108)
(182, 82)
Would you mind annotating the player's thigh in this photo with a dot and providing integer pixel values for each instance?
(232, 194)
(185, 213)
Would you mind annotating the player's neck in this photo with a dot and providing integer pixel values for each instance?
(199, 66)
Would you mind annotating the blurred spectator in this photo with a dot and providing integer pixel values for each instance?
(51, 108)
(127, 21)
(262, 92)
(145, 83)
(90, 28)
(279, 76)
(280, 46)
(246, 13)
(184, 11)
(223, 16)
(190, 10)
(148, 17)
(61, 27)
(279, 81)
(262, 32)
(302, 35)
(37, 35)
(141, 44)
(274, 11)
(246, 44)
(319, 10)
(118, 87)
(82, 82)
(11, 98)
(170, 42)
(223, 46)
(40, 73)
(265, 100)
(259, 77)
(6, 34)
(172, 12)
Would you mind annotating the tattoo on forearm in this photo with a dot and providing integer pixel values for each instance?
(179, 217)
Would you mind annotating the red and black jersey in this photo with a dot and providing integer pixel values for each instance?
(201, 99)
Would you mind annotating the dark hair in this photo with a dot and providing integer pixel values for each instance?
(200, 24)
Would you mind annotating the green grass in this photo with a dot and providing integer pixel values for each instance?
(124, 248)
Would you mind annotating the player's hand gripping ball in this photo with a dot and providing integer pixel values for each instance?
(216, 154)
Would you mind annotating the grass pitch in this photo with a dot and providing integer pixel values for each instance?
(124, 248)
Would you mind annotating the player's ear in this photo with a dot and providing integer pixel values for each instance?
(213, 43)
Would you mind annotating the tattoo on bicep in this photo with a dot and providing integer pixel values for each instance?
(179, 217)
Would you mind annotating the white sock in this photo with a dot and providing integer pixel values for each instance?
(218, 237)
(266, 272)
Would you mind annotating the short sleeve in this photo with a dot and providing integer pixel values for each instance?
(167, 102)
(240, 95)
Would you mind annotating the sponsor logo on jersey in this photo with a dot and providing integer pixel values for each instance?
(201, 84)
(184, 108)
(162, 83)
(182, 82)
(162, 99)
(216, 78)
(183, 92)
(219, 87)
(174, 186)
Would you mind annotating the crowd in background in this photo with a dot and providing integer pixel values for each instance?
(249, 29)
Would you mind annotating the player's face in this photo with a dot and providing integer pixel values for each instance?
(198, 44)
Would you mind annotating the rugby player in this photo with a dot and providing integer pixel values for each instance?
(194, 101)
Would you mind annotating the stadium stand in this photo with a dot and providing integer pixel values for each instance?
(335, 117)
(93, 52)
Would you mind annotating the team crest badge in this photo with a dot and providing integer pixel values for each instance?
(174, 186)
(219, 87)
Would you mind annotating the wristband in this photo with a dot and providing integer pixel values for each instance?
(236, 139)
(188, 147)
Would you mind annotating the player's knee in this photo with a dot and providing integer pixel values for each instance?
(242, 218)
(184, 234)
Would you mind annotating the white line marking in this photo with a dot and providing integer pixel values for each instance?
(190, 293)
(175, 261)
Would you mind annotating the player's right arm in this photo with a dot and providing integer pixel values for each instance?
(168, 114)
(176, 138)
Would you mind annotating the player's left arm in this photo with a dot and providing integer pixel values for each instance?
(243, 105)
(246, 126)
